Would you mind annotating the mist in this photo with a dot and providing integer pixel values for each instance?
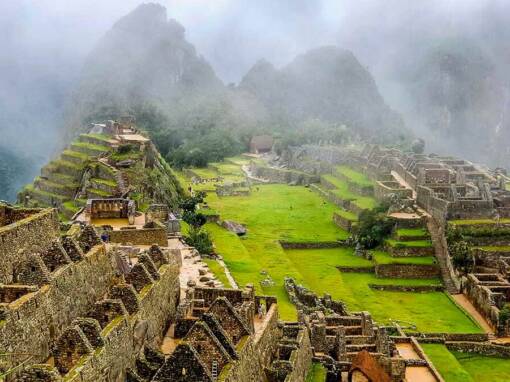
(45, 42)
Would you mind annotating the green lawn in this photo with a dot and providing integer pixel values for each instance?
(238, 160)
(381, 257)
(317, 373)
(431, 311)
(354, 176)
(463, 367)
(228, 169)
(278, 212)
(271, 213)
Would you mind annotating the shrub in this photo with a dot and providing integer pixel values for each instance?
(199, 239)
(373, 227)
(504, 314)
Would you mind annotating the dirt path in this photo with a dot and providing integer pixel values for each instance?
(462, 300)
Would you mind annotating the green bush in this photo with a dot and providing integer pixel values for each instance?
(504, 314)
(373, 227)
(199, 239)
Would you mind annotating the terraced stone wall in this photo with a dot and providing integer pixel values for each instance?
(32, 323)
(35, 231)
(141, 236)
(407, 271)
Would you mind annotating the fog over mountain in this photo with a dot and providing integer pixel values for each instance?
(440, 64)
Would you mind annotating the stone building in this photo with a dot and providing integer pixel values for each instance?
(68, 310)
(260, 144)
(232, 335)
(338, 336)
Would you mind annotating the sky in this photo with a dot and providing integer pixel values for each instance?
(44, 43)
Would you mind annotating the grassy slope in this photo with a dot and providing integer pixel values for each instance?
(269, 217)
(342, 190)
(463, 367)
(385, 258)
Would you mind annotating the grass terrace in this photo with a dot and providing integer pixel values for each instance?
(205, 173)
(381, 257)
(347, 215)
(478, 221)
(430, 311)
(275, 212)
(354, 176)
(412, 244)
(463, 367)
(98, 137)
(412, 232)
(495, 249)
(342, 190)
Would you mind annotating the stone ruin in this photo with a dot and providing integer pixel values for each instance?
(111, 209)
(65, 305)
(338, 336)
(228, 334)
(161, 213)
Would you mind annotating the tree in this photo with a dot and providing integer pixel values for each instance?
(462, 258)
(373, 227)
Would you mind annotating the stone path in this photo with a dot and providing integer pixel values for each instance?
(442, 256)
(462, 300)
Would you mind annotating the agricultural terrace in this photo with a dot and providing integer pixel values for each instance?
(464, 367)
(274, 213)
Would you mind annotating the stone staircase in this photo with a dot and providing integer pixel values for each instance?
(355, 341)
(443, 259)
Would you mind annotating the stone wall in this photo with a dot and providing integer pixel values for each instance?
(383, 189)
(35, 231)
(35, 321)
(280, 175)
(159, 301)
(484, 348)
(125, 335)
(407, 271)
(141, 236)
(256, 353)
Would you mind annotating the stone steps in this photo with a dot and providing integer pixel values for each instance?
(353, 330)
